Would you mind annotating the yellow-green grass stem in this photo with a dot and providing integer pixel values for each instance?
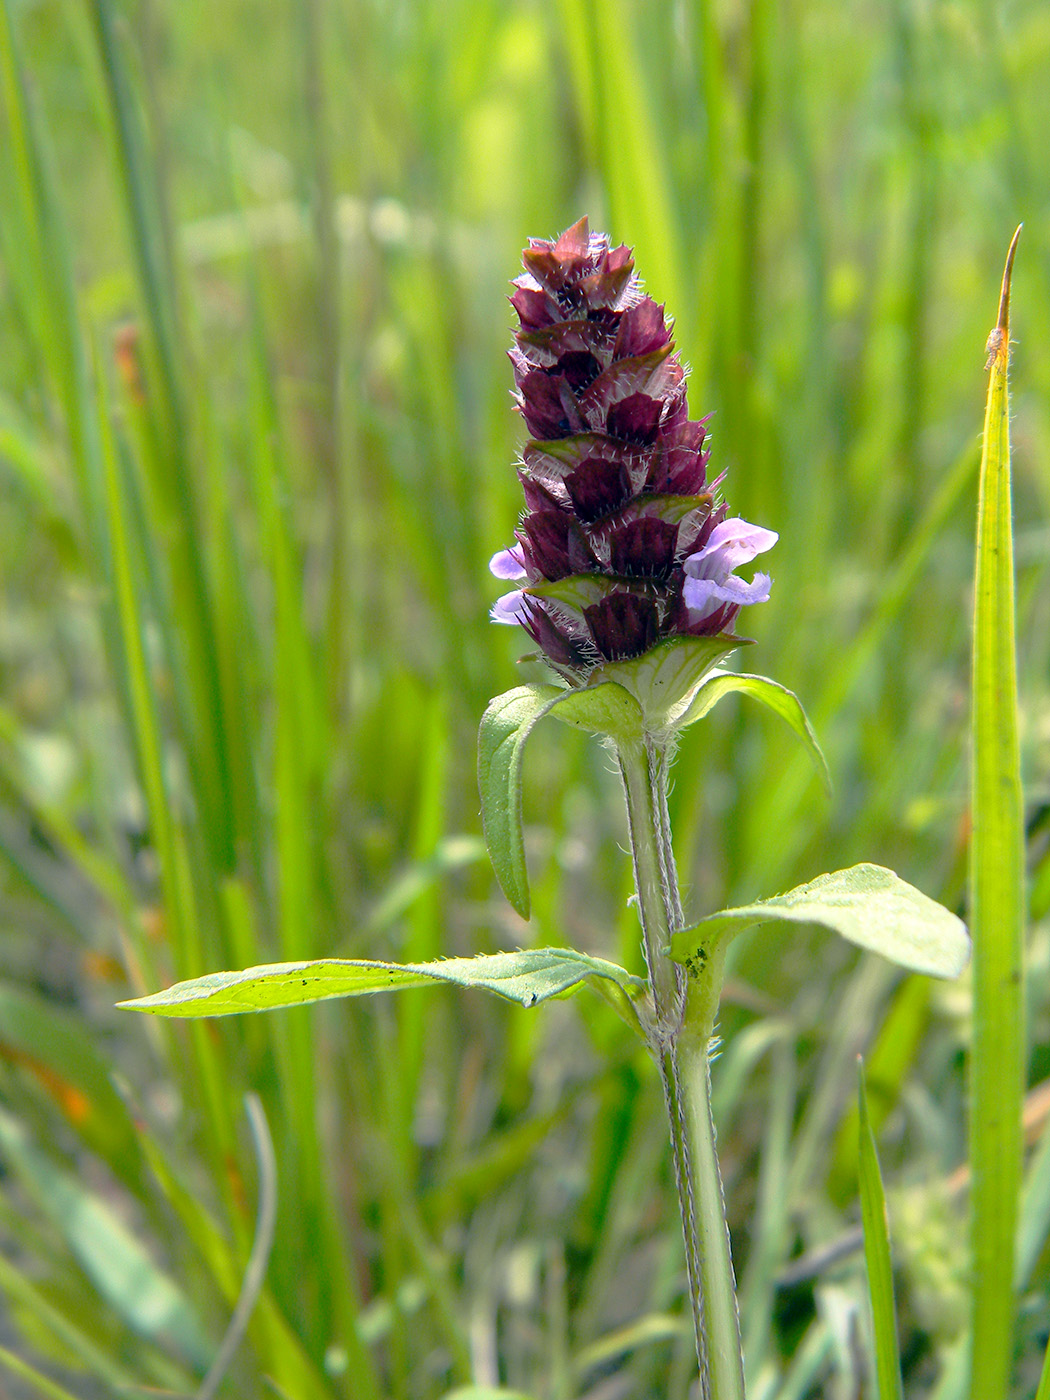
(997, 908)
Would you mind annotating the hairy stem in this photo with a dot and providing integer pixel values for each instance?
(683, 1020)
(642, 769)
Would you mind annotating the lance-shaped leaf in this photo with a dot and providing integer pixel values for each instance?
(778, 698)
(505, 726)
(867, 904)
(527, 977)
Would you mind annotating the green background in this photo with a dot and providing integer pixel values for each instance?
(256, 448)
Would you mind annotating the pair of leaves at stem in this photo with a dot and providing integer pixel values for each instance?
(867, 905)
(627, 705)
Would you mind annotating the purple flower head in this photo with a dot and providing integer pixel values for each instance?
(623, 542)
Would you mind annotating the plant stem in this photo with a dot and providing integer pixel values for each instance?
(721, 1318)
(682, 1022)
(642, 769)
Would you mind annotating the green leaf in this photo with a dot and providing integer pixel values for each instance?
(877, 1255)
(777, 697)
(527, 977)
(665, 678)
(997, 896)
(505, 726)
(867, 904)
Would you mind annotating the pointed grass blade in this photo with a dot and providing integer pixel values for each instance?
(877, 1255)
(996, 894)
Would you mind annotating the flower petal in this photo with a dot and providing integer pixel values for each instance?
(511, 608)
(508, 563)
(730, 544)
(703, 595)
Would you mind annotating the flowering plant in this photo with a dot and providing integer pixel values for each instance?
(626, 562)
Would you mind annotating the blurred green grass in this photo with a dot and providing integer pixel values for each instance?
(256, 448)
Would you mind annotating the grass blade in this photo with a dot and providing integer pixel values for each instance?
(1043, 1393)
(996, 894)
(255, 1273)
(145, 1298)
(877, 1255)
(280, 1349)
(55, 1329)
(41, 1384)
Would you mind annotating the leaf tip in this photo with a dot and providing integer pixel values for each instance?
(520, 902)
(998, 343)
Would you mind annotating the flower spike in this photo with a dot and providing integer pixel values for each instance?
(623, 543)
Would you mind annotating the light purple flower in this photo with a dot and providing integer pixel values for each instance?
(511, 608)
(710, 581)
(508, 563)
